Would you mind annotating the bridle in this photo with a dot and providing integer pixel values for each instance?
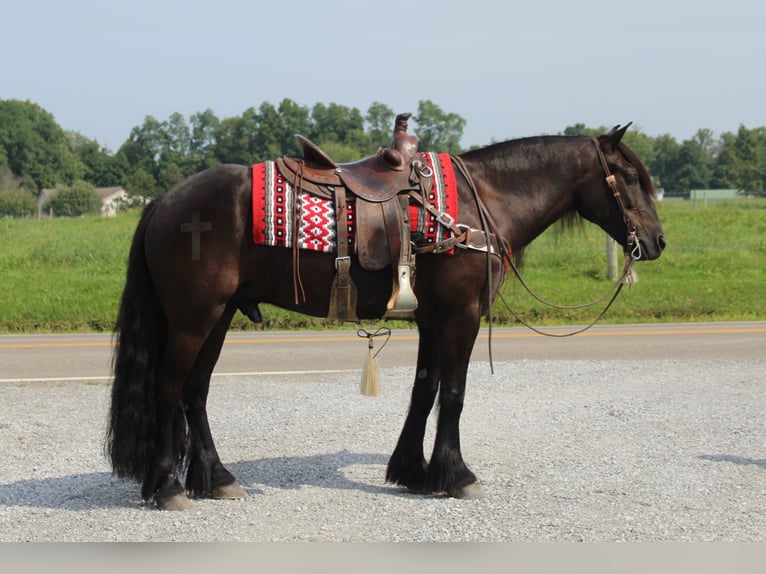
(630, 223)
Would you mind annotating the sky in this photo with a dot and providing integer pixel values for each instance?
(510, 68)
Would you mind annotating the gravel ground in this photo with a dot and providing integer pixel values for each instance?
(565, 450)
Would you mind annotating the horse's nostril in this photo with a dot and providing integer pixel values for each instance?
(661, 242)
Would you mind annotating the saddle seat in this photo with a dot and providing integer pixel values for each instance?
(377, 178)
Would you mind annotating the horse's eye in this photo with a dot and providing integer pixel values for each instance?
(631, 179)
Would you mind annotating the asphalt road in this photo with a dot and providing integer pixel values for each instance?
(88, 357)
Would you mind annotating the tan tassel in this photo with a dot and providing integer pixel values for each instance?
(370, 385)
(629, 276)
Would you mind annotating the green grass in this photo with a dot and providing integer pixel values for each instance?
(62, 274)
(66, 275)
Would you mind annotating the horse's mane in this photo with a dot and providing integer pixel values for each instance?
(499, 150)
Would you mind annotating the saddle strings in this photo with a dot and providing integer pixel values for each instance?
(297, 281)
(364, 334)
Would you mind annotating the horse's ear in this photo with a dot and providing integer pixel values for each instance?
(614, 135)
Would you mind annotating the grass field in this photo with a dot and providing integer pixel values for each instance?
(66, 275)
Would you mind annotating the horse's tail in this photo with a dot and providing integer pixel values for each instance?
(140, 336)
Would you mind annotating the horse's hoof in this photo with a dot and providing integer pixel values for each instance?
(231, 491)
(176, 502)
(468, 492)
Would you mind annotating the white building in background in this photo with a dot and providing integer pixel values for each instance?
(112, 200)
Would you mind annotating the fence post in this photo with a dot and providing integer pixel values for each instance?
(611, 258)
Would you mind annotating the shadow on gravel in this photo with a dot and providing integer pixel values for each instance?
(761, 462)
(340, 470)
(329, 470)
(73, 492)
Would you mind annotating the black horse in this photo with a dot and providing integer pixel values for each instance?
(176, 309)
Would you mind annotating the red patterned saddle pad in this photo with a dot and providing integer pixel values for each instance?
(274, 203)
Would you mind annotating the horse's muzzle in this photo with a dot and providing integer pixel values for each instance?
(651, 249)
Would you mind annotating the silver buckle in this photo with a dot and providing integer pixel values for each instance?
(446, 219)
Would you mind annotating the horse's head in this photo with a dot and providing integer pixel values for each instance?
(623, 202)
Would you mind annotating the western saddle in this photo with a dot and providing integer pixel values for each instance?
(381, 187)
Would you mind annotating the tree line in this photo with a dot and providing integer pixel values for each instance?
(36, 153)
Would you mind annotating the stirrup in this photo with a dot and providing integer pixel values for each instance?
(403, 302)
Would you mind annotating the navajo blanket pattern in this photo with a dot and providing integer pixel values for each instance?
(274, 207)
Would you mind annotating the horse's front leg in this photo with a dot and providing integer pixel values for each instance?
(447, 471)
(407, 465)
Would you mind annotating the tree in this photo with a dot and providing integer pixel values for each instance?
(341, 152)
(80, 198)
(102, 168)
(8, 181)
(144, 145)
(749, 154)
(34, 147)
(175, 148)
(142, 184)
(169, 176)
(202, 145)
(380, 119)
(17, 203)
(693, 168)
(339, 124)
(436, 130)
(741, 161)
(665, 162)
(583, 130)
(269, 137)
(235, 137)
(296, 119)
(706, 139)
(640, 143)
(141, 153)
(725, 163)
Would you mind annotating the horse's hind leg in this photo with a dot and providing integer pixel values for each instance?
(161, 482)
(206, 475)
(407, 465)
(185, 348)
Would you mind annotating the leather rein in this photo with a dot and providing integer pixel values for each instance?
(506, 257)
